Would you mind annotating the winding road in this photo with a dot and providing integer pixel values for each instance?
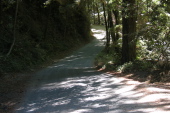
(73, 85)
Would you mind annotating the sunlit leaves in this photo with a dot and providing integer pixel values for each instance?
(157, 2)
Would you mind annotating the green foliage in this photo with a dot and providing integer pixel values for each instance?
(125, 67)
(156, 39)
(111, 61)
(142, 51)
(138, 65)
(152, 37)
(102, 59)
(107, 59)
(41, 32)
(154, 29)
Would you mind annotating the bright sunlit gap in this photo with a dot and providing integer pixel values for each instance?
(99, 34)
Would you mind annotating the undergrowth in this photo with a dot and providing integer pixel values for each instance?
(42, 32)
(111, 61)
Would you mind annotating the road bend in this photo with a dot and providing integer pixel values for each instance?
(73, 85)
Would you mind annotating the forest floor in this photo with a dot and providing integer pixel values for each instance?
(14, 86)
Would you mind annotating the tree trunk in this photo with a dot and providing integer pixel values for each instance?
(98, 13)
(14, 29)
(117, 19)
(94, 17)
(117, 22)
(106, 25)
(111, 26)
(116, 30)
(129, 29)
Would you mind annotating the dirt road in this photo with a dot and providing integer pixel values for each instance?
(73, 85)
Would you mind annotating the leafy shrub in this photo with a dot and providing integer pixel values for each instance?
(125, 67)
(107, 59)
(111, 61)
(138, 65)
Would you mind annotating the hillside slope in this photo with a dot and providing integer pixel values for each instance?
(42, 31)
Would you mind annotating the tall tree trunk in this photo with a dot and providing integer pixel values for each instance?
(111, 26)
(98, 13)
(106, 25)
(117, 22)
(94, 17)
(117, 18)
(14, 29)
(129, 30)
(116, 36)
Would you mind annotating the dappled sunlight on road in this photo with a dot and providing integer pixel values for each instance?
(73, 85)
(98, 32)
(98, 94)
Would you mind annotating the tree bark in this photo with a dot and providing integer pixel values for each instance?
(116, 30)
(129, 30)
(111, 26)
(117, 19)
(98, 13)
(94, 17)
(106, 25)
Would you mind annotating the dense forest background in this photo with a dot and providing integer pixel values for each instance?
(31, 31)
(137, 32)
(137, 36)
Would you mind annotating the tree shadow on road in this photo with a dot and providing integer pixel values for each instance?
(95, 92)
(74, 86)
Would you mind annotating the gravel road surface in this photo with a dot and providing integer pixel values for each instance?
(73, 85)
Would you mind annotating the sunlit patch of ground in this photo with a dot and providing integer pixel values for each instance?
(100, 93)
(98, 32)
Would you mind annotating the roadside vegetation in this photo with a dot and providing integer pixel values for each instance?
(137, 37)
(32, 32)
(137, 33)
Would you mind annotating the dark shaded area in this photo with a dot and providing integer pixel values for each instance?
(13, 86)
(42, 31)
